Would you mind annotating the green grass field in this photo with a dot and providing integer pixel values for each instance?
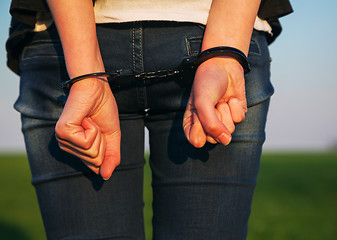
(296, 198)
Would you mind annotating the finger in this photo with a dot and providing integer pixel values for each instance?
(192, 127)
(93, 168)
(225, 116)
(209, 138)
(90, 151)
(91, 161)
(187, 121)
(237, 110)
(211, 123)
(197, 133)
(81, 157)
(81, 136)
(112, 154)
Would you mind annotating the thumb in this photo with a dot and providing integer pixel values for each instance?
(112, 154)
(212, 124)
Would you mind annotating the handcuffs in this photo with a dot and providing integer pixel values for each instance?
(185, 71)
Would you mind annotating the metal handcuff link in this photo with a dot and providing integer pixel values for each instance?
(185, 71)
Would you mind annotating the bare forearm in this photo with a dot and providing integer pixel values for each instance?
(75, 22)
(230, 23)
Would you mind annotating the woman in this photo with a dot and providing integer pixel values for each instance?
(205, 138)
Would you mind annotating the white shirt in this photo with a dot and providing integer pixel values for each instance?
(115, 11)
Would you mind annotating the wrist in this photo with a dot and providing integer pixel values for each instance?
(92, 84)
(102, 76)
(80, 62)
(225, 53)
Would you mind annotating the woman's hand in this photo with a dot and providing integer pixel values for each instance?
(89, 126)
(216, 103)
(218, 98)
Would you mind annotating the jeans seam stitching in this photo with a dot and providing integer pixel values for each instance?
(133, 50)
(141, 48)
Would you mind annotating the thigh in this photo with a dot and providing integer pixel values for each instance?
(206, 193)
(78, 204)
(74, 202)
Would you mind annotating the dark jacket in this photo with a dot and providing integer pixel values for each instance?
(24, 17)
(272, 10)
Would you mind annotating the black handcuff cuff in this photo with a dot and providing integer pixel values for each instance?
(185, 71)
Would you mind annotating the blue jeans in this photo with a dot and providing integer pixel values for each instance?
(198, 193)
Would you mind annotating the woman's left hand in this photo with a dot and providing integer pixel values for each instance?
(216, 103)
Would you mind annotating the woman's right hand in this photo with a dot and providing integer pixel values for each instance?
(89, 126)
(217, 101)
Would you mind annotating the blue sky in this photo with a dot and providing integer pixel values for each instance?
(303, 111)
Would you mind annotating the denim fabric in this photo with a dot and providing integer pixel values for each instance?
(198, 193)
